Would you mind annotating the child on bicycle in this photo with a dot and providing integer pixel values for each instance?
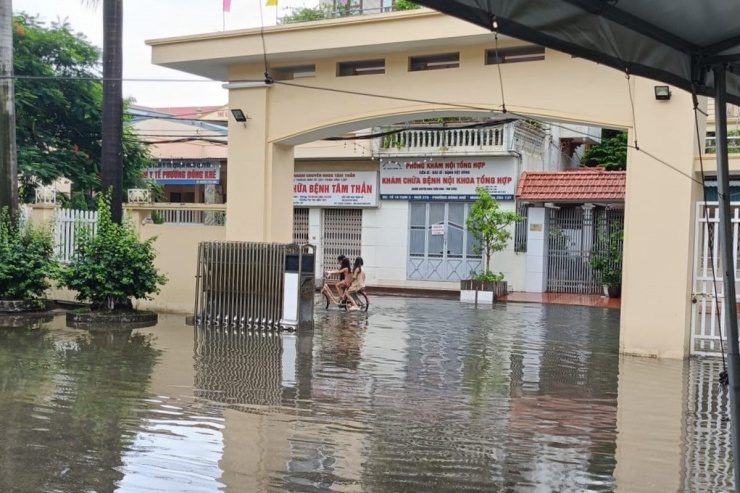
(358, 282)
(345, 276)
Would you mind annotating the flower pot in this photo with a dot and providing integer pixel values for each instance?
(614, 291)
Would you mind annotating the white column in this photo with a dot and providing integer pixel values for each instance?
(536, 278)
(315, 238)
(587, 234)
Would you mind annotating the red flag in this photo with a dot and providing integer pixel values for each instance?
(227, 5)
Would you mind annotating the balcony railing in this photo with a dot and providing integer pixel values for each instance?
(733, 144)
(450, 141)
(307, 14)
(190, 214)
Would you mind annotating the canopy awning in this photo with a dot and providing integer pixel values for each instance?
(673, 41)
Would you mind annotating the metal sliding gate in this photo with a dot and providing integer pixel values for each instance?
(300, 225)
(342, 234)
(575, 234)
(240, 284)
(708, 286)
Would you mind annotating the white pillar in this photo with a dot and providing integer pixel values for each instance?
(314, 238)
(537, 235)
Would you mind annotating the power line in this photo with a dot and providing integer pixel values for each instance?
(95, 78)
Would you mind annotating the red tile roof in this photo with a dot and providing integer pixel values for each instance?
(583, 185)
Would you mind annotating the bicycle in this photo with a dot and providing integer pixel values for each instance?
(360, 298)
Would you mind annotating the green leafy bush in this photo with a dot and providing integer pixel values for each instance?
(607, 259)
(27, 261)
(488, 277)
(113, 266)
(405, 5)
(157, 217)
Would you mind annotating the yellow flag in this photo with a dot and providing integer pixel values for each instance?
(271, 3)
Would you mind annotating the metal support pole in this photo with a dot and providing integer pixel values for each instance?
(728, 263)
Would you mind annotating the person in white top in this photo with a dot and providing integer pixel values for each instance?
(358, 282)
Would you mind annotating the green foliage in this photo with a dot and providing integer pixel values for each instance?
(157, 217)
(59, 117)
(405, 5)
(307, 14)
(611, 153)
(78, 201)
(27, 261)
(489, 225)
(606, 259)
(489, 277)
(113, 266)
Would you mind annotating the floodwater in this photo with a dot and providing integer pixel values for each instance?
(419, 395)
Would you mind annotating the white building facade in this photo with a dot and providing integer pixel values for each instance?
(403, 206)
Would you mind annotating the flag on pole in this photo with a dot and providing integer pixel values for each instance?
(227, 5)
(271, 3)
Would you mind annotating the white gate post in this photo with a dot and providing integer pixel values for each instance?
(315, 238)
(537, 239)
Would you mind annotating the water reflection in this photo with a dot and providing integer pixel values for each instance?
(419, 395)
(67, 412)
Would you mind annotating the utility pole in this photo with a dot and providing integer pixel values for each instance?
(8, 159)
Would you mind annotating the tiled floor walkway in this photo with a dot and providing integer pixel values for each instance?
(564, 299)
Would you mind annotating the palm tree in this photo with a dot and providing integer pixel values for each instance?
(8, 160)
(111, 173)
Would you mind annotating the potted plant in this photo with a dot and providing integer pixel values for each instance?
(27, 264)
(606, 260)
(490, 226)
(109, 270)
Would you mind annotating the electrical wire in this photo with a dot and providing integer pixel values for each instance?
(94, 78)
(723, 376)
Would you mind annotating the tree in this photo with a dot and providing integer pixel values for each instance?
(307, 14)
(8, 159)
(112, 154)
(59, 110)
(610, 153)
(489, 225)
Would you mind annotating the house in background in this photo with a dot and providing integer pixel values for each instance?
(189, 155)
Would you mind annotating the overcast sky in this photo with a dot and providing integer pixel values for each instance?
(152, 19)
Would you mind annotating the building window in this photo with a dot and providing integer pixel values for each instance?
(364, 67)
(294, 72)
(514, 54)
(434, 62)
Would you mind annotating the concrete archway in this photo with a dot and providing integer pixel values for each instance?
(558, 87)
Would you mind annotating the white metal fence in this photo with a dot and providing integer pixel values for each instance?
(708, 287)
(68, 226)
(190, 216)
(707, 334)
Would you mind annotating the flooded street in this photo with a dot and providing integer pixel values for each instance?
(418, 395)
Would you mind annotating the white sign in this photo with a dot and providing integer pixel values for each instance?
(438, 229)
(207, 175)
(448, 179)
(336, 189)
